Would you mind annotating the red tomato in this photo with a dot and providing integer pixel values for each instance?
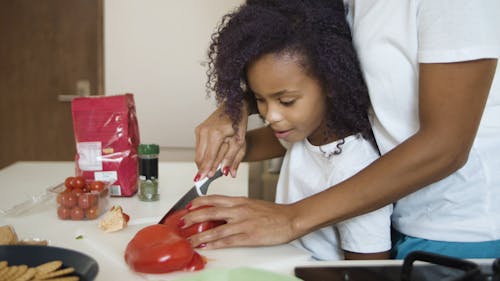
(83, 201)
(69, 200)
(158, 249)
(197, 262)
(92, 213)
(63, 213)
(68, 182)
(97, 186)
(199, 227)
(77, 213)
(79, 182)
(174, 220)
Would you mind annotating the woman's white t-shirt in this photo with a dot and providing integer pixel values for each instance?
(306, 170)
(392, 37)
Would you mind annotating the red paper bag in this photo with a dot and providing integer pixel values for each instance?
(107, 136)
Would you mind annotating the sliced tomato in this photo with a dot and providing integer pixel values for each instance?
(158, 249)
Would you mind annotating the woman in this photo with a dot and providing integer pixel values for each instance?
(430, 67)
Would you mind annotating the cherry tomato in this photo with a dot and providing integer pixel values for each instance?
(87, 186)
(69, 200)
(77, 190)
(97, 186)
(158, 248)
(68, 182)
(92, 213)
(93, 199)
(77, 213)
(79, 182)
(59, 198)
(83, 201)
(63, 212)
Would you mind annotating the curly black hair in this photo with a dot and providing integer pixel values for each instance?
(316, 31)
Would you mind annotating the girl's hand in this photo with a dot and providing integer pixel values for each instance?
(250, 222)
(218, 143)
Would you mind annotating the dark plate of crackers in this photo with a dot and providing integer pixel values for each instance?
(33, 262)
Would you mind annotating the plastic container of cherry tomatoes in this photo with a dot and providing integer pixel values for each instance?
(79, 199)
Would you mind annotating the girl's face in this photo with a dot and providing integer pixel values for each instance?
(290, 100)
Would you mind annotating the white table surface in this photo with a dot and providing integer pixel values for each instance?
(23, 180)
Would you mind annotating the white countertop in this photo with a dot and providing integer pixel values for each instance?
(23, 180)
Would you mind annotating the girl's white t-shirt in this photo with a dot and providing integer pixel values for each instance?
(392, 37)
(306, 170)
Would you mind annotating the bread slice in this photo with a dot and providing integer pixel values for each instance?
(7, 235)
(113, 220)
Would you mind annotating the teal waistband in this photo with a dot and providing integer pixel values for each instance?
(404, 244)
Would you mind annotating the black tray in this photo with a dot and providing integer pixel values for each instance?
(31, 255)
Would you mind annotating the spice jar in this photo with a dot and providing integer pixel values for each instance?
(148, 172)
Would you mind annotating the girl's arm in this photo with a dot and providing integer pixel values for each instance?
(452, 97)
(368, 256)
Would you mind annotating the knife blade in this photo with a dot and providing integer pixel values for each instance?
(200, 188)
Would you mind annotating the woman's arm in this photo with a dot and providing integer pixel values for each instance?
(452, 97)
(261, 144)
(218, 143)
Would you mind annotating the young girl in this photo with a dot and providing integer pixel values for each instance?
(295, 61)
(433, 78)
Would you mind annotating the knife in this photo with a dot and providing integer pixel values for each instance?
(200, 188)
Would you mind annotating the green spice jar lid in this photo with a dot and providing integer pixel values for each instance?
(149, 149)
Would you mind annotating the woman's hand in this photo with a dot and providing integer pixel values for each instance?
(218, 143)
(250, 222)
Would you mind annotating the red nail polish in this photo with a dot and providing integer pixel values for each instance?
(225, 171)
(197, 177)
(202, 245)
(188, 206)
(181, 223)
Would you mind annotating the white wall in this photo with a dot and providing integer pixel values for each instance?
(154, 49)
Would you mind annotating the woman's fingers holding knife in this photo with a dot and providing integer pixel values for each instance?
(249, 222)
(233, 156)
(210, 136)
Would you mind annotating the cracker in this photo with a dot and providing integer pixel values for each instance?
(9, 273)
(21, 269)
(65, 278)
(3, 264)
(56, 273)
(8, 235)
(48, 267)
(3, 271)
(30, 273)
